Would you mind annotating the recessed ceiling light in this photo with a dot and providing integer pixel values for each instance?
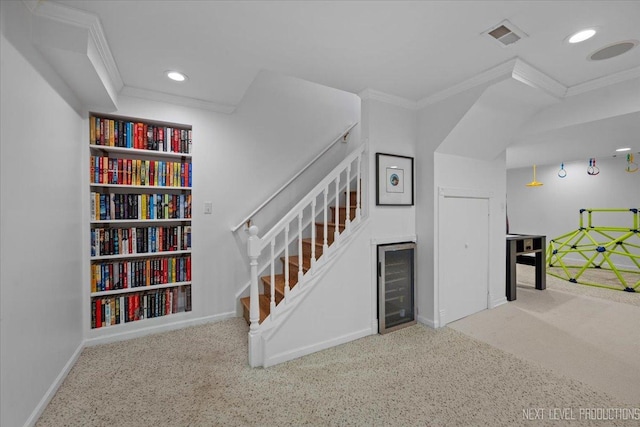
(623, 149)
(176, 76)
(581, 36)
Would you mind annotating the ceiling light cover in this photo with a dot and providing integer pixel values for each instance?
(581, 36)
(623, 149)
(176, 76)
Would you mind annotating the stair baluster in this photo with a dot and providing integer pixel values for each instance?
(313, 233)
(325, 245)
(277, 286)
(336, 220)
(300, 272)
(358, 188)
(286, 263)
(272, 306)
(253, 249)
(347, 220)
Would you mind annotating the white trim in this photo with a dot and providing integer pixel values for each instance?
(632, 73)
(533, 77)
(496, 302)
(428, 322)
(393, 239)
(122, 336)
(152, 95)
(79, 18)
(374, 326)
(442, 315)
(398, 101)
(313, 348)
(514, 68)
(304, 202)
(503, 70)
(53, 388)
(467, 193)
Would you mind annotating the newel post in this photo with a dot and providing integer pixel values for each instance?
(253, 250)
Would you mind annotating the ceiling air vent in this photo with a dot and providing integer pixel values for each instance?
(505, 33)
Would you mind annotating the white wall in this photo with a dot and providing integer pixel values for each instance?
(337, 309)
(41, 224)
(435, 122)
(553, 209)
(393, 130)
(487, 176)
(240, 159)
(389, 129)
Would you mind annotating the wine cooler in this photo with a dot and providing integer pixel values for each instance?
(396, 279)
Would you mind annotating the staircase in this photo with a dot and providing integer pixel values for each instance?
(338, 221)
(293, 256)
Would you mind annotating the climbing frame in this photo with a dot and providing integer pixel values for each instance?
(600, 247)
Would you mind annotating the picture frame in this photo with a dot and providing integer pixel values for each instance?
(394, 180)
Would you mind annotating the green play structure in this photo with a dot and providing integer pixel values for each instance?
(597, 245)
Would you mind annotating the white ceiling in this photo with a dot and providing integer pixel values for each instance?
(413, 50)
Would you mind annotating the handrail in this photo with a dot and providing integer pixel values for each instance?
(306, 200)
(342, 136)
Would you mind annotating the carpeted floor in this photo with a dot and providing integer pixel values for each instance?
(416, 376)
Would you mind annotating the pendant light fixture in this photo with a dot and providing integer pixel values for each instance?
(534, 183)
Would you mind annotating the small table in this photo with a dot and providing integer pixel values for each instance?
(518, 245)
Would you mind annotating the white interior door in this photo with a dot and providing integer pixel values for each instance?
(463, 258)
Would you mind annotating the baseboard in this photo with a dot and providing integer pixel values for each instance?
(428, 322)
(39, 409)
(495, 302)
(303, 351)
(53, 388)
(122, 336)
(374, 326)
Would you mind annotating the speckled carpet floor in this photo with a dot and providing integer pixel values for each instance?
(416, 376)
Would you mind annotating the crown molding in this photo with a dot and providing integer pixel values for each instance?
(387, 98)
(515, 68)
(90, 22)
(503, 70)
(632, 73)
(533, 77)
(152, 95)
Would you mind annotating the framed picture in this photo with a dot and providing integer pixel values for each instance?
(394, 180)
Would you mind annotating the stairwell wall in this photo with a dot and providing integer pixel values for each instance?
(242, 158)
(40, 224)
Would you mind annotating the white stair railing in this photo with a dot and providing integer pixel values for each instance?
(292, 226)
(248, 219)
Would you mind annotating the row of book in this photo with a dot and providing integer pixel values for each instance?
(142, 136)
(111, 276)
(152, 173)
(115, 206)
(140, 240)
(110, 311)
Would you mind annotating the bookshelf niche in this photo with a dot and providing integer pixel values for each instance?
(140, 219)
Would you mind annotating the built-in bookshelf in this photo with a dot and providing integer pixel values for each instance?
(140, 179)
